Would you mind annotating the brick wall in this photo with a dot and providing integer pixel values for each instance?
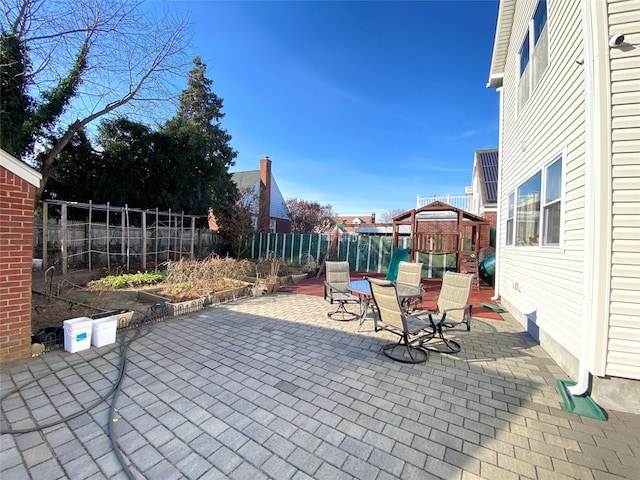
(16, 239)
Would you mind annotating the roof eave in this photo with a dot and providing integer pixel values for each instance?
(506, 10)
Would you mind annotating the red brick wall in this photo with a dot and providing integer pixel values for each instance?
(283, 226)
(16, 251)
(264, 207)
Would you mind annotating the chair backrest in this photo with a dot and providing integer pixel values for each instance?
(398, 255)
(410, 273)
(455, 292)
(386, 299)
(338, 275)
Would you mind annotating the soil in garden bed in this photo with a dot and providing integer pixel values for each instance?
(49, 311)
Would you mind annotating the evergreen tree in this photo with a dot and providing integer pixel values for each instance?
(202, 108)
(15, 104)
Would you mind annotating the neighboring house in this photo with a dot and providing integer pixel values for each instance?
(484, 185)
(568, 249)
(260, 190)
(18, 184)
(363, 225)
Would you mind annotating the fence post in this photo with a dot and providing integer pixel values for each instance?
(108, 241)
(64, 239)
(89, 234)
(143, 250)
(45, 234)
(193, 235)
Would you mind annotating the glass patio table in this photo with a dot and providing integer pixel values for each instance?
(362, 289)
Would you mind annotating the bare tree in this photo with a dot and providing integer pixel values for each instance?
(87, 59)
(387, 217)
(307, 217)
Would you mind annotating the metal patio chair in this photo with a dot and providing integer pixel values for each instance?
(410, 279)
(453, 308)
(411, 329)
(336, 290)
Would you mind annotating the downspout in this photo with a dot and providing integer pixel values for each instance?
(496, 275)
(590, 208)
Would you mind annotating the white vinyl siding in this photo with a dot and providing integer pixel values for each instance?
(542, 282)
(623, 352)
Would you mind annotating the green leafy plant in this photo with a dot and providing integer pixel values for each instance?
(130, 280)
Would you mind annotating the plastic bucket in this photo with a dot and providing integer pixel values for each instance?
(104, 331)
(77, 334)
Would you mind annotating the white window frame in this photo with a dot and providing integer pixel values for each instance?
(528, 75)
(544, 207)
(545, 203)
(511, 219)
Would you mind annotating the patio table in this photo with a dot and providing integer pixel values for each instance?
(362, 290)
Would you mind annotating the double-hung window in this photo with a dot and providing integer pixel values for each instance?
(534, 210)
(552, 205)
(534, 54)
(511, 210)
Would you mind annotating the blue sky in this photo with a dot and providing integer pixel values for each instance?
(360, 105)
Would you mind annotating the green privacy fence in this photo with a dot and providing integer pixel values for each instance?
(365, 253)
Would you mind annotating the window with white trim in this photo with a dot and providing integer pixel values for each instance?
(533, 56)
(511, 209)
(534, 210)
(552, 205)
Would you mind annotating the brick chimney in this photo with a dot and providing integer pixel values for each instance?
(264, 216)
(373, 217)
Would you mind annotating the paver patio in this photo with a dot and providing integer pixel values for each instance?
(268, 387)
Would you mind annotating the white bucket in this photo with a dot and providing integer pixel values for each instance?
(104, 331)
(77, 334)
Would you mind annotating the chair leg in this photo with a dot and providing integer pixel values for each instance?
(342, 314)
(451, 345)
(404, 352)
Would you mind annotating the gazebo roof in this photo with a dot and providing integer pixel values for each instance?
(435, 207)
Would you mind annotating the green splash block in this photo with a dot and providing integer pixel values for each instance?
(580, 405)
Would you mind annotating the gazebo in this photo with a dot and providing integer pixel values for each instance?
(441, 228)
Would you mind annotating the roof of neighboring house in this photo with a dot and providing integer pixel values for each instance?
(349, 220)
(385, 229)
(249, 181)
(488, 171)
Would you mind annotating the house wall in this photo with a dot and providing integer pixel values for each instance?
(543, 287)
(623, 352)
(16, 236)
(589, 285)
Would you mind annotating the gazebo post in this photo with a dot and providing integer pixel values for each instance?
(413, 233)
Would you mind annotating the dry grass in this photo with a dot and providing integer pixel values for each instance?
(189, 279)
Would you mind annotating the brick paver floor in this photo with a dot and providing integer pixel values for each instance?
(269, 387)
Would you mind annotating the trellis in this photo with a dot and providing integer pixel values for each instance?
(93, 235)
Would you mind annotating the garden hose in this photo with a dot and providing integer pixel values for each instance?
(111, 396)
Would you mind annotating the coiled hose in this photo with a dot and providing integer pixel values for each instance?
(111, 396)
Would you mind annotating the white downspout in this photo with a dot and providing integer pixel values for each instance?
(496, 275)
(590, 208)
